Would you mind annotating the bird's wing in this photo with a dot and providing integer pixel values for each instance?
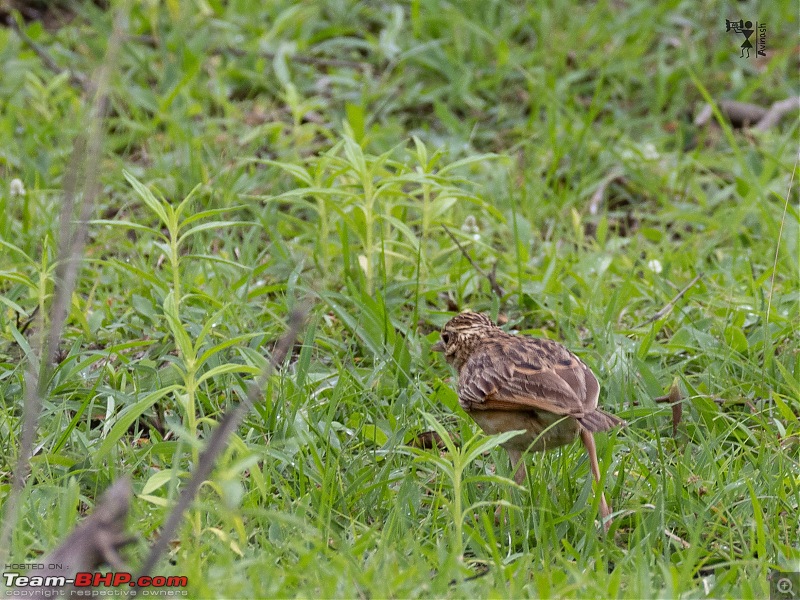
(535, 374)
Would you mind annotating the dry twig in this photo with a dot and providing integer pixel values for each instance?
(490, 277)
(776, 113)
(745, 114)
(671, 304)
(683, 543)
(676, 403)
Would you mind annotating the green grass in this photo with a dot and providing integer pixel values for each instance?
(260, 153)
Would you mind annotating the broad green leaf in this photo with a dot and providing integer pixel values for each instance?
(17, 250)
(371, 433)
(148, 198)
(125, 418)
(129, 225)
(468, 161)
(297, 171)
(229, 368)
(210, 225)
(205, 214)
(155, 500)
(156, 481)
(179, 333)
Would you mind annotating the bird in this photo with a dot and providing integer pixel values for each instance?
(512, 382)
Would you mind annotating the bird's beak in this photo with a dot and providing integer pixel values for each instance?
(438, 347)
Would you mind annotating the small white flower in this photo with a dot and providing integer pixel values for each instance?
(638, 152)
(655, 266)
(16, 187)
(471, 226)
(649, 152)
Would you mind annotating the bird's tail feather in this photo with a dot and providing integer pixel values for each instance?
(599, 420)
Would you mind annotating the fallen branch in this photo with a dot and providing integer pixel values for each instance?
(776, 113)
(745, 114)
(490, 277)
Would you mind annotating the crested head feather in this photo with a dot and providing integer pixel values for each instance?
(468, 320)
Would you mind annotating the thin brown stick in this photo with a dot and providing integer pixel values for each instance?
(216, 444)
(671, 304)
(675, 400)
(740, 114)
(24, 326)
(745, 114)
(677, 539)
(81, 187)
(493, 281)
(75, 77)
(776, 113)
(591, 449)
(490, 277)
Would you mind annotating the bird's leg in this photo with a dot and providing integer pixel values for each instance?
(518, 465)
(520, 473)
(605, 509)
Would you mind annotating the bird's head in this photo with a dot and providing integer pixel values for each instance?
(461, 334)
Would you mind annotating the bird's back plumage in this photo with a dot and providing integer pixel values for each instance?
(509, 372)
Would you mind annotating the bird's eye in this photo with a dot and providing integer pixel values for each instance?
(446, 338)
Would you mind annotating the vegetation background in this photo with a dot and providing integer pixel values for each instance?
(258, 153)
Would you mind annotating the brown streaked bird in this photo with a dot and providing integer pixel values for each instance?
(508, 382)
